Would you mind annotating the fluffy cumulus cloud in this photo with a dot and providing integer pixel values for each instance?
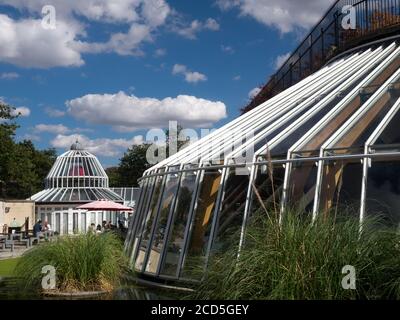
(129, 113)
(24, 42)
(285, 15)
(100, 146)
(190, 76)
(190, 31)
(254, 92)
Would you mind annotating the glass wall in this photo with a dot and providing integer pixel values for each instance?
(179, 225)
(341, 187)
(160, 229)
(301, 186)
(383, 191)
(230, 217)
(148, 221)
(201, 224)
(266, 190)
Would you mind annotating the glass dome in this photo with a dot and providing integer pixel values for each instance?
(76, 176)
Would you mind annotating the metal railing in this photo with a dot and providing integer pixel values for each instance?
(374, 19)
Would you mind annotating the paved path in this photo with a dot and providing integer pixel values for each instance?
(7, 254)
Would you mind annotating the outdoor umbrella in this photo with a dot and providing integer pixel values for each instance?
(104, 205)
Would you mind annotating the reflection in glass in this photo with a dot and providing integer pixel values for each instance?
(178, 226)
(341, 187)
(141, 217)
(383, 191)
(171, 186)
(230, 218)
(267, 188)
(148, 222)
(201, 228)
(301, 186)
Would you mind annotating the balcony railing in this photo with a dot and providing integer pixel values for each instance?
(374, 19)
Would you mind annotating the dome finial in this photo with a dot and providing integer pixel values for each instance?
(76, 145)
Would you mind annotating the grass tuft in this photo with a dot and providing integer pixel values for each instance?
(83, 263)
(300, 260)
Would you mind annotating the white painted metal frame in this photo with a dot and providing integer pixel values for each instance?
(330, 143)
(367, 150)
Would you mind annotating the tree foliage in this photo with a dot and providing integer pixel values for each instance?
(134, 162)
(22, 167)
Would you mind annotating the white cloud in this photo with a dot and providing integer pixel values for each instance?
(21, 111)
(237, 78)
(54, 113)
(57, 129)
(211, 24)
(227, 49)
(129, 113)
(190, 76)
(254, 92)
(280, 60)
(196, 26)
(100, 146)
(285, 15)
(26, 43)
(122, 43)
(160, 52)
(9, 75)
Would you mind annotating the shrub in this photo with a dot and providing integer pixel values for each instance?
(82, 263)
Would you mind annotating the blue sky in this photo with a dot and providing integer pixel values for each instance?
(111, 70)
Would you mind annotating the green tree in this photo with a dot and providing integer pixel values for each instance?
(132, 165)
(7, 133)
(22, 167)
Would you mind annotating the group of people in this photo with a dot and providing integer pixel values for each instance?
(105, 226)
(41, 227)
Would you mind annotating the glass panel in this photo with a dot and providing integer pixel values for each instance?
(58, 222)
(75, 195)
(230, 218)
(267, 188)
(170, 190)
(65, 197)
(323, 133)
(179, 225)
(383, 191)
(140, 219)
(75, 223)
(134, 218)
(65, 222)
(364, 127)
(202, 222)
(83, 222)
(301, 186)
(148, 222)
(390, 136)
(341, 187)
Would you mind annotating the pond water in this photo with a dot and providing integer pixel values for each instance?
(9, 291)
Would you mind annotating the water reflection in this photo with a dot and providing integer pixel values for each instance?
(9, 291)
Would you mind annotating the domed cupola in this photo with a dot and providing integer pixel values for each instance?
(76, 176)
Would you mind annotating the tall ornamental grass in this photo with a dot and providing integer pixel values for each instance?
(83, 263)
(300, 260)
